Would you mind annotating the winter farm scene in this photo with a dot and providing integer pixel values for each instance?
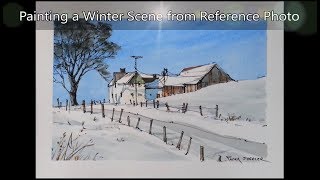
(158, 95)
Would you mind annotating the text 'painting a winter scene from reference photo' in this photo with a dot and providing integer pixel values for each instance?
(159, 95)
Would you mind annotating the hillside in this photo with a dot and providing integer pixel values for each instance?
(246, 98)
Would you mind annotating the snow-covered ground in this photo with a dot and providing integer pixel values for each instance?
(221, 139)
(246, 98)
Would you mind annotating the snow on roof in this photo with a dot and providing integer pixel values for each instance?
(111, 82)
(197, 71)
(180, 80)
(190, 75)
(145, 75)
(125, 79)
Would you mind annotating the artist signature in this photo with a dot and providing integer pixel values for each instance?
(243, 159)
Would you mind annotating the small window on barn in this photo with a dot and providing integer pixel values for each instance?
(139, 94)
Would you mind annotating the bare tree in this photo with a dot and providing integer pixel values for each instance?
(80, 47)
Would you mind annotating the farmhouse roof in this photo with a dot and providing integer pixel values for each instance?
(126, 78)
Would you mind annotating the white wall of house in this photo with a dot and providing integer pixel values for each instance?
(123, 93)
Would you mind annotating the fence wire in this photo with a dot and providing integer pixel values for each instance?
(200, 137)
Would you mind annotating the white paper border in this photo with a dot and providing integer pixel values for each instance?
(46, 168)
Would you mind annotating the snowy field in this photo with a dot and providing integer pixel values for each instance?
(222, 140)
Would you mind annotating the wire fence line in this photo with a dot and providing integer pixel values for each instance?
(211, 112)
(177, 134)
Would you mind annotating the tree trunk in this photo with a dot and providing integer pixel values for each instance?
(73, 94)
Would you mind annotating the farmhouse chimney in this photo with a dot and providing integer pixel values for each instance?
(122, 70)
(119, 75)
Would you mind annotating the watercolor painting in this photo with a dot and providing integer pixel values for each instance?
(159, 95)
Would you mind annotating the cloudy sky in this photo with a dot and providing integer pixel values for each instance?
(241, 53)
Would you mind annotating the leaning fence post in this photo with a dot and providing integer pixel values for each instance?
(180, 140)
(157, 103)
(128, 119)
(102, 106)
(217, 108)
(66, 104)
(164, 135)
(201, 153)
(141, 103)
(154, 104)
(137, 126)
(200, 110)
(189, 146)
(112, 114)
(120, 115)
(167, 106)
(84, 106)
(150, 126)
(91, 108)
(146, 103)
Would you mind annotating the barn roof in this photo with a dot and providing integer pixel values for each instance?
(197, 71)
(189, 75)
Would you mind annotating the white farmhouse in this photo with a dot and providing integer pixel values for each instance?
(122, 87)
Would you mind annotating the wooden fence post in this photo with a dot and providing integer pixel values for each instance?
(183, 107)
(91, 107)
(150, 126)
(154, 104)
(69, 106)
(164, 135)
(112, 114)
(201, 153)
(58, 103)
(167, 106)
(180, 140)
(186, 108)
(189, 146)
(137, 126)
(128, 119)
(217, 108)
(200, 110)
(141, 103)
(102, 106)
(84, 106)
(120, 115)
(146, 103)
(66, 104)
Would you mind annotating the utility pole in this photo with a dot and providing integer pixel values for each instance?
(164, 74)
(136, 74)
